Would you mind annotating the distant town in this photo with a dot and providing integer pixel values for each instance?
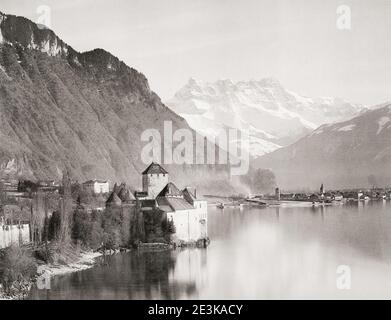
(322, 197)
(329, 196)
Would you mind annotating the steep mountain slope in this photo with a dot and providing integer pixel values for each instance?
(274, 116)
(86, 111)
(352, 153)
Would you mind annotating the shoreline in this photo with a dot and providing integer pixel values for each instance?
(86, 260)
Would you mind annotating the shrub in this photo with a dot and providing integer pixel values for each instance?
(44, 254)
(155, 224)
(125, 228)
(16, 266)
(170, 227)
(54, 226)
(81, 228)
(111, 223)
(96, 231)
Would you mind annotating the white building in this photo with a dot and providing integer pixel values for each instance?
(96, 186)
(188, 214)
(13, 234)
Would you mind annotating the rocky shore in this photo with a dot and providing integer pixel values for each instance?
(20, 290)
(86, 261)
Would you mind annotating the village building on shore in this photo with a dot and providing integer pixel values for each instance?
(13, 233)
(97, 186)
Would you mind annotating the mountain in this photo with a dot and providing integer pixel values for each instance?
(273, 115)
(84, 111)
(353, 153)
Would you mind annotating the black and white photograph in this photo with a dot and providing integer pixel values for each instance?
(195, 150)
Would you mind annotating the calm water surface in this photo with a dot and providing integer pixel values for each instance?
(271, 253)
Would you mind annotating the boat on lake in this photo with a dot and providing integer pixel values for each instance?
(220, 205)
(255, 203)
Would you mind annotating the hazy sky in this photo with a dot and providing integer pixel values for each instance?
(295, 41)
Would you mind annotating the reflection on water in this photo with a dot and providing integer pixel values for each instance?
(271, 253)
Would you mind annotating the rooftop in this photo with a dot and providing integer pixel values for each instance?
(113, 199)
(170, 190)
(173, 204)
(154, 168)
(95, 181)
(125, 195)
(189, 195)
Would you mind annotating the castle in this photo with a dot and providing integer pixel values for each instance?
(188, 214)
(182, 208)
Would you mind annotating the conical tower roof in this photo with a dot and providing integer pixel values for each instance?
(113, 200)
(126, 196)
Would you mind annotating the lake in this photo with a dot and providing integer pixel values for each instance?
(331, 252)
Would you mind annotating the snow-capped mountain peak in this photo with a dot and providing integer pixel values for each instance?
(258, 105)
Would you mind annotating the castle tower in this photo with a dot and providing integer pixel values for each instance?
(155, 178)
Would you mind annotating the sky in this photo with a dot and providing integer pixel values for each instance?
(297, 42)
